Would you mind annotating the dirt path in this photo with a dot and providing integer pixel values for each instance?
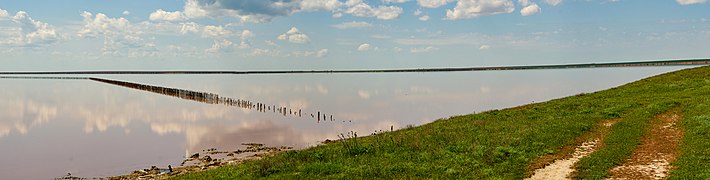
(562, 168)
(658, 148)
(561, 164)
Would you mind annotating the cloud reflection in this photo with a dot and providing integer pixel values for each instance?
(200, 137)
(22, 115)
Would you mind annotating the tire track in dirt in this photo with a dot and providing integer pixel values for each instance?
(658, 149)
(561, 164)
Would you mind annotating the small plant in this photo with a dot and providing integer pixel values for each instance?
(350, 143)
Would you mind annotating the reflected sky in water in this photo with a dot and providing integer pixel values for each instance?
(49, 128)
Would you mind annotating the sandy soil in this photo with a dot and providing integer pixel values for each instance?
(562, 168)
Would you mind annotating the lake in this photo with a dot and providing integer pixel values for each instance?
(51, 127)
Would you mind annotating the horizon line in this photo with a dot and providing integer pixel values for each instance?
(675, 62)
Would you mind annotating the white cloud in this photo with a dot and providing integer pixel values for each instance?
(160, 15)
(418, 12)
(207, 31)
(193, 10)
(484, 47)
(189, 27)
(315, 5)
(394, 1)
(524, 2)
(244, 37)
(352, 24)
(424, 18)
(120, 37)
(216, 31)
(126, 13)
(295, 36)
(530, 10)
(220, 35)
(3, 14)
(102, 24)
(321, 53)
(423, 50)
(271, 43)
(359, 8)
(31, 32)
(246, 34)
(466, 9)
(553, 2)
(433, 3)
(220, 46)
(351, 3)
(364, 47)
(689, 2)
(337, 15)
(264, 52)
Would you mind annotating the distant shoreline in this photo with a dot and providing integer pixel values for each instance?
(685, 62)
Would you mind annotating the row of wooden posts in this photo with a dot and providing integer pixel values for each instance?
(211, 98)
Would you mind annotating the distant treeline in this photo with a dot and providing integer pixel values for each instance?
(492, 68)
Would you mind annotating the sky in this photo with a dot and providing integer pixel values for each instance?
(40, 35)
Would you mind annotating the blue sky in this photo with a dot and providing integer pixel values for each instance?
(339, 34)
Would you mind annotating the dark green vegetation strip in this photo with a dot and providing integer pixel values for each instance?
(500, 144)
(680, 62)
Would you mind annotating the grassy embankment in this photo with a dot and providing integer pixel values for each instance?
(500, 144)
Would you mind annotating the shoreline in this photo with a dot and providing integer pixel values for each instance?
(198, 162)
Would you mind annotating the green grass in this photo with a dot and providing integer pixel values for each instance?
(694, 162)
(500, 144)
(620, 142)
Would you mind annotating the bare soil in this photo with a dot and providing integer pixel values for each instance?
(658, 149)
(560, 165)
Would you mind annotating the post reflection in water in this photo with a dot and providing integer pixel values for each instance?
(211, 98)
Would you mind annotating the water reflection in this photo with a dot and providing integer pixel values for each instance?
(49, 127)
(30, 114)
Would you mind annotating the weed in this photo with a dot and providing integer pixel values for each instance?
(351, 144)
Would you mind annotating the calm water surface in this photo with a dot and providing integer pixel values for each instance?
(49, 128)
